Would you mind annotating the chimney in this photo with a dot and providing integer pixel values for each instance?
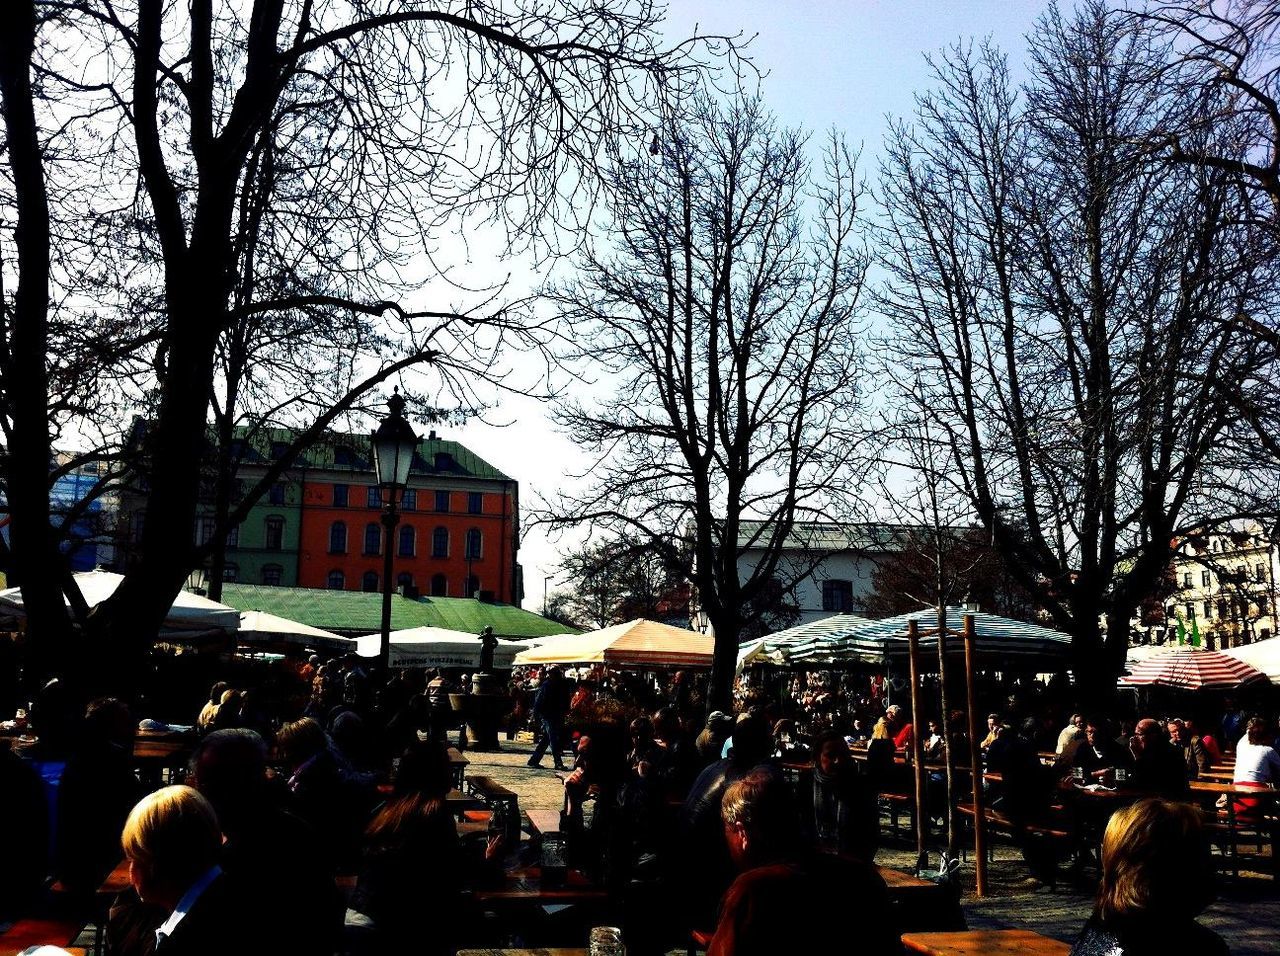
(432, 435)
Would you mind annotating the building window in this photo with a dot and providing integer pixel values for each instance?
(373, 496)
(475, 503)
(337, 581)
(233, 537)
(340, 493)
(1262, 605)
(474, 542)
(406, 541)
(1208, 610)
(372, 538)
(440, 543)
(1260, 573)
(439, 586)
(837, 595)
(1224, 609)
(404, 580)
(472, 586)
(1204, 578)
(338, 537)
(230, 572)
(1186, 579)
(275, 533)
(409, 500)
(370, 581)
(272, 574)
(276, 495)
(204, 530)
(442, 501)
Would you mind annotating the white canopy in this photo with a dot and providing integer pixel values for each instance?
(259, 627)
(1264, 655)
(190, 613)
(437, 647)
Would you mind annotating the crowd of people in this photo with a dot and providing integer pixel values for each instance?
(676, 811)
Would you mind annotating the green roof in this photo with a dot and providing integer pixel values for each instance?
(360, 612)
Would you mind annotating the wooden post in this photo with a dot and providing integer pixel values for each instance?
(944, 705)
(975, 762)
(917, 757)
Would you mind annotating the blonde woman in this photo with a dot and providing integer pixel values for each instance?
(1157, 876)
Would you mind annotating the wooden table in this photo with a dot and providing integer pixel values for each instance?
(522, 952)
(38, 932)
(985, 942)
(543, 821)
(524, 885)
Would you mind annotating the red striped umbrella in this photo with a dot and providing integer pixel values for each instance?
(1192, 668)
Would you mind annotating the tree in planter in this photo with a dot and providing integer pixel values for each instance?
(519, 102)
(722, 309)
(1054, 294)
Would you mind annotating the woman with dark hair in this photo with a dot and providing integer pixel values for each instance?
(1157, 876)
(413, 870)
(204, 722)
(845, 818)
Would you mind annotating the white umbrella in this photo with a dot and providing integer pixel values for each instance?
(437, 647)
(259, 627)
(189, 614)
(1264, 655)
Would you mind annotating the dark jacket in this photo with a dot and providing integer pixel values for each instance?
(1140, 937)
(1161, 769)
(552, 699)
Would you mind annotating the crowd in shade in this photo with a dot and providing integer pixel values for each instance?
(327, 829)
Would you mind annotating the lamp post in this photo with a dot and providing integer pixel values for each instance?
(393, 446)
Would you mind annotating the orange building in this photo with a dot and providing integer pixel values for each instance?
(458, 534)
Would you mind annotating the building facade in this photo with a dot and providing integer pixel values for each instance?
(320, 524)
(1226, 582)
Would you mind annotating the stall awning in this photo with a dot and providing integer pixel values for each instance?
(637, 643)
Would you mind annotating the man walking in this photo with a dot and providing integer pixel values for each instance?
(549, 706)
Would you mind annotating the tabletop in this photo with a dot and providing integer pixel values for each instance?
(525, 885)
(522, 952)
(1218, 786)
(985, 942)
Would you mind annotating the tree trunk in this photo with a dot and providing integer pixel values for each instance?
(39, 567)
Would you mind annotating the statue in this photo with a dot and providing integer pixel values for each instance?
(488, 643)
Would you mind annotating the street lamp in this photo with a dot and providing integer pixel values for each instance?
(393, 446)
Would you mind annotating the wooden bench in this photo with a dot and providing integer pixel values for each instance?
(491, 792)
(999, 822)
(896, 803)
(457, 766)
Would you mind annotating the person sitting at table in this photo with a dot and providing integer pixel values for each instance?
(1257, 766)
(1208, 741)
(24, 835)
(324, 791)
(180, 902)
(1193, 751)
(273, 853)
(1074, 731)
(414, 869)
(1157, 876)
(845, 817)
(204, 722)
(97, 791)
(1158, 766)
(994, 723)
(1097, 757)
(933, 744)
(705, 867)
(228, 714)
(779, 876)
(902, 727)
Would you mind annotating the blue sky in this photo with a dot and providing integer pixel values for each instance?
(829, 63)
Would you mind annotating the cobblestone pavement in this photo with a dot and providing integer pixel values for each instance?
(1246, 913)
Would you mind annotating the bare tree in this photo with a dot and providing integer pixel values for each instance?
(720, 315)
(1226, 68)
(1057, 296)
(624, 578)
(381, 125)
